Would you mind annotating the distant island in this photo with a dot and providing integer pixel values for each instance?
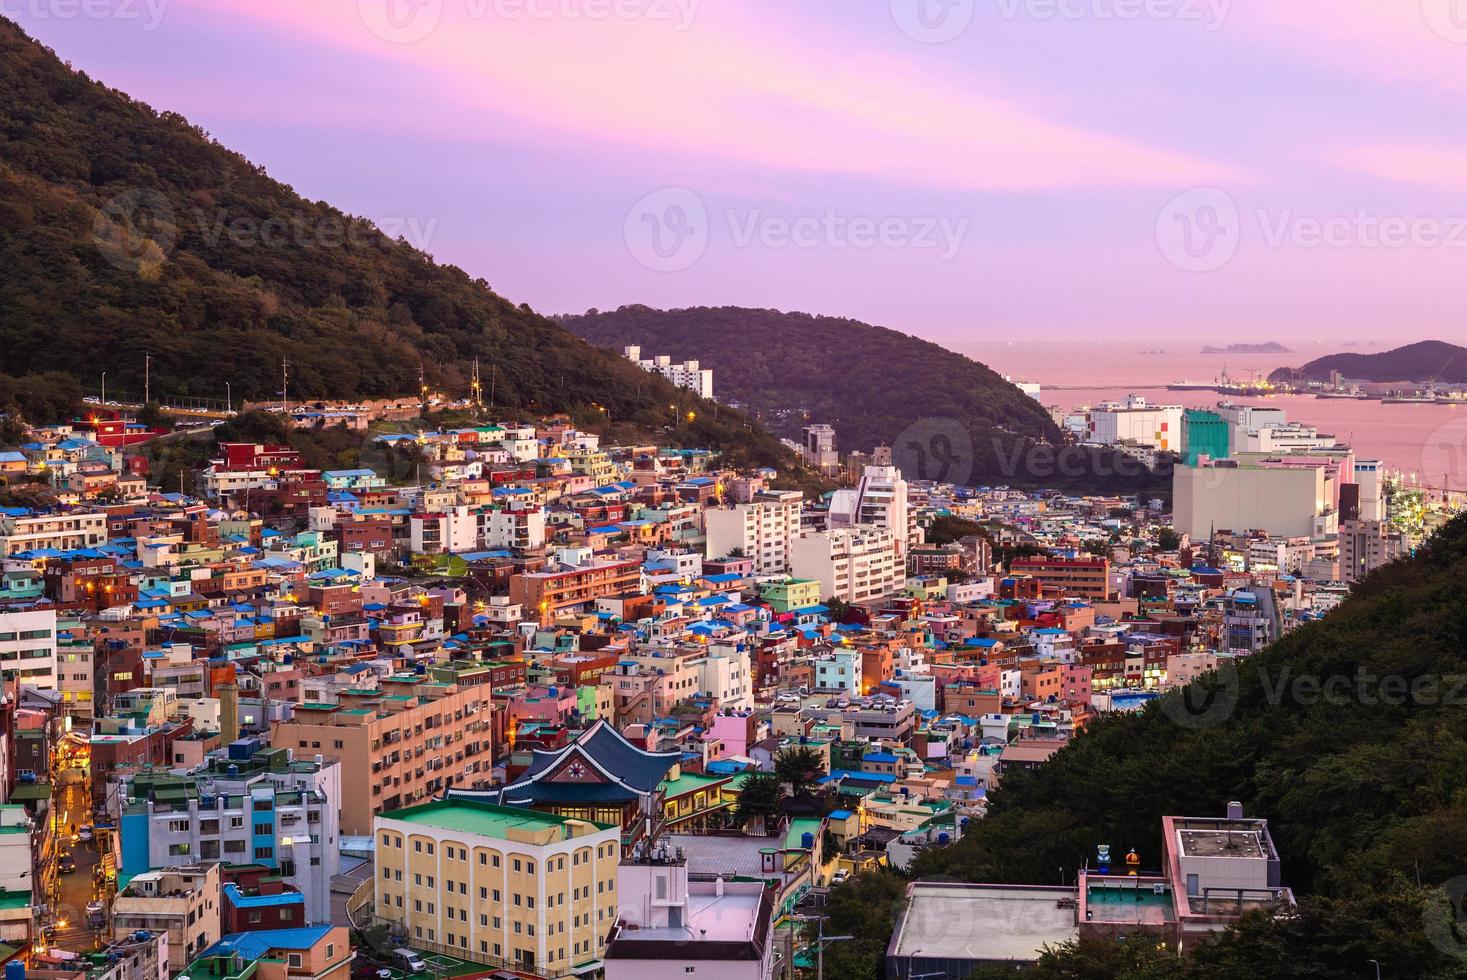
(1428, 361)
(1272, 347)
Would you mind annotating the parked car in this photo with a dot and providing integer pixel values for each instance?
(85, 833)
(67, 864)
(96, 915)
(409, 961)
(840, 876)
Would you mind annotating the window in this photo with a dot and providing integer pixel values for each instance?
(295, 960)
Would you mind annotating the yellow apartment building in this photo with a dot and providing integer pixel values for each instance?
(503, 886)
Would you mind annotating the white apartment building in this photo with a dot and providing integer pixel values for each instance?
(63, 532)
(1274, 439)
(1367, 545)
(689, 374)
(1136, 421)
(726, 674)
(819, 448)
(761, 530)
(28, 647)
(522, 530)
(878, 500)
(1285, 501)
(853, 564)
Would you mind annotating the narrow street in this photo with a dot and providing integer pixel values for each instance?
(75, 889)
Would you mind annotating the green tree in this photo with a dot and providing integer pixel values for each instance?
(798, 767)
(760, 799)
(1167, 539)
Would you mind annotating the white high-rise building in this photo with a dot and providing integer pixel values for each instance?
(688, 374)
(1136, 421)
(28, 647)
(878, 500)
(819, 448)
(761, 530)
(1368, 474)
(852, 564)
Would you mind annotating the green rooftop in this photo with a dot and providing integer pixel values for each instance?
(483, 819)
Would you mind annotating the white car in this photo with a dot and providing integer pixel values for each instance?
(840, 877)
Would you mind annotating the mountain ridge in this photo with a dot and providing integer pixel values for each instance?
(873, 384)
(1424, 361)
(127, 232)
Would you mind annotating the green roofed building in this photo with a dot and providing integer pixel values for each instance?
(1204, 434)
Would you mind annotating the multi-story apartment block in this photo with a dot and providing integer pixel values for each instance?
(1367, 545)
(852, 564)
(182, 901)
(1087, 578)
(573, 584)
(61, 532)
(762, 530)
(250, 805)
(878, 500)
(28, 647)
(405, 742)
(532, 891)
(688, 374)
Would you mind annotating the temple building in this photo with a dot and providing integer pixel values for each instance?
(601, 777)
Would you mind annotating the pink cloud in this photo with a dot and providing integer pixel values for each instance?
(736, 89)
(1440, 167)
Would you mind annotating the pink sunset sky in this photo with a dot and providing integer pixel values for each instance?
(973, 171)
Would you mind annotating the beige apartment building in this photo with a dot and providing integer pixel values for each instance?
(181, 901)
(515, 888)
(400, 744)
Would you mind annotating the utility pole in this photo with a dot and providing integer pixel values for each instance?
(147, 378)
(104, 387)
(820, 940)
(228, 399)
(284, 386)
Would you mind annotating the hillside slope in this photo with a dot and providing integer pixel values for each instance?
(871, 383)
(1365, 788)
(1430, 360)
(125, 231)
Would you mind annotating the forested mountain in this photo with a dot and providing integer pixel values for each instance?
(1349, 735)
(125, 231)
(872, 384)
(1430, 360)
